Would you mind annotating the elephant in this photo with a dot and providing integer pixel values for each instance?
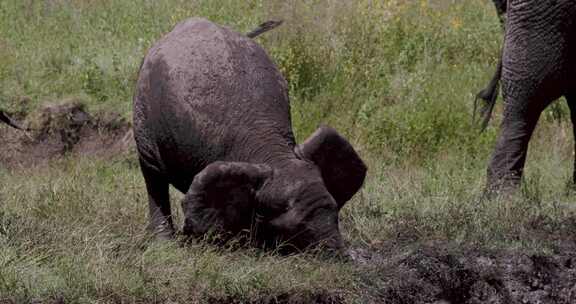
(211, 117)
(536, 67)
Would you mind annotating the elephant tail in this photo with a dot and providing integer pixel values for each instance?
(264, 27)
(5, 118)
(488, 97)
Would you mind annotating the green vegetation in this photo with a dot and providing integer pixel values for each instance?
(397, 77)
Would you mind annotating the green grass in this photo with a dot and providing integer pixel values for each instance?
(396, 77)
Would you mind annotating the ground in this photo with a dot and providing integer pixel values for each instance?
(396, 270)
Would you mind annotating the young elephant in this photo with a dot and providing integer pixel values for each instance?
(212, 118)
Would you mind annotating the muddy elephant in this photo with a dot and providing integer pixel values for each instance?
(537, 66)
(212, 118)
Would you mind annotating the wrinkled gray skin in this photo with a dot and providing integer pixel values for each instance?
(212, 118)
(538, 66)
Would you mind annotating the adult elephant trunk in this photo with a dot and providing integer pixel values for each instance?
(489, 95)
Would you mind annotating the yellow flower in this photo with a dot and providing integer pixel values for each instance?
(456, 23)
(423, 4)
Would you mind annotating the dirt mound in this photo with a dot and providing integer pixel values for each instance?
(62, 129)
(435, 274)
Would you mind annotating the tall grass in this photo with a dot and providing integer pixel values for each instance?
(396, 77)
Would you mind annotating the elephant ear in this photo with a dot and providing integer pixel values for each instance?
(343, 171)
(222, 197)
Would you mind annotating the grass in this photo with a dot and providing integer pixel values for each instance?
(75, 230)
(397, 77)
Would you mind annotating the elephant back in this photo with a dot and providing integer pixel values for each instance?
(204, 89)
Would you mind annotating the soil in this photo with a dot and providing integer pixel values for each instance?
(440, 273)
(63, 129)
(437, 273)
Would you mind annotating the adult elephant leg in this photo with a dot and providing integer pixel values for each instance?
(160, 215)
(507, 163)
(571, 100)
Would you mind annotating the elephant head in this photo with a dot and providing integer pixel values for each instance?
(295, 204)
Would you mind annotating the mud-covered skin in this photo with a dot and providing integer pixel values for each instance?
(212, 118)
(538, 67)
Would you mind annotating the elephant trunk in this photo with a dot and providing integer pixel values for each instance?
(489, 96)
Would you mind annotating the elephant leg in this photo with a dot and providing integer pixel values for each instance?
(571, 100)
(507, 163)
(160, 221)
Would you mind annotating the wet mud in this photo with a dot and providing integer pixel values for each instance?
(439, 274)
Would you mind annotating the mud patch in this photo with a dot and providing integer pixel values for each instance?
(437, 274)
(64, 129)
